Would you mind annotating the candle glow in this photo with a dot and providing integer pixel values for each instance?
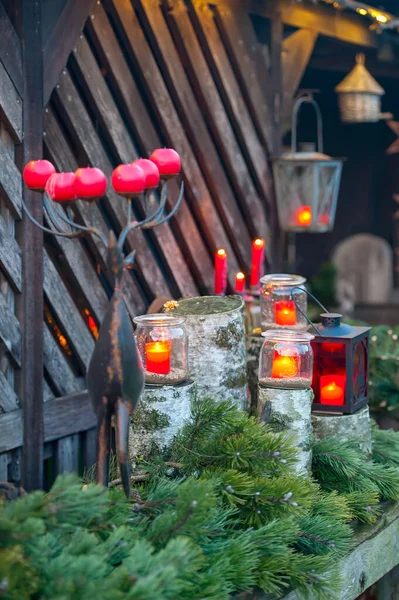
(284, 366)
(258, 247)
(285, 312)
(332, 389)
(220, 272)
(304, 216)
(157, 356)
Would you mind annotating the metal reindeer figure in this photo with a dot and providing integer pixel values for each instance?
(115, 376)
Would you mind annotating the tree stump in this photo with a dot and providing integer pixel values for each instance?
(354, 427)
(217, 356)
(289, 411)
(162, 412)
(254, 344)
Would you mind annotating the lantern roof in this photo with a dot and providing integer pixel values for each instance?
(311, 156)
(360, 80)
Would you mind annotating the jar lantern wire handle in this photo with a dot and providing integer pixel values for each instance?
(308, 99)
(301, 311)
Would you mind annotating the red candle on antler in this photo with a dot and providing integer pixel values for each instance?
(128, 180)
(168, 162)
(36, 174)
(61, 187)
(220, 272)
(258, 247)
(151, 172)
(90, 183)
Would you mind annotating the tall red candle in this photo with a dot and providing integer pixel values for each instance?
(240, 282)
(220, 272)
(258, 247)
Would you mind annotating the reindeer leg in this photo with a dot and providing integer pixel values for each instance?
(122, 443)
(103, 446)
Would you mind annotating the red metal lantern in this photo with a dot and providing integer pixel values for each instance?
(341, 365)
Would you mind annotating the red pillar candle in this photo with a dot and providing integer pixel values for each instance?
(157, 355)
(304, 216)
(332, 389)
(285, 312)
(220, 272)
(240, 283)
(284, 366)
(258, 248)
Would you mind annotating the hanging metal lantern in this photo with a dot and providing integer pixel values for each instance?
(307, 183)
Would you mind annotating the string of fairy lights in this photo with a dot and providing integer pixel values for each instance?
(380, 19)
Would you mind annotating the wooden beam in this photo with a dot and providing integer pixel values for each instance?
(10, 50)
(62, 417)
(31, 317)
(62, 41)
(10, 105)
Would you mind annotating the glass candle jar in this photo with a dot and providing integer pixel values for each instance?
(163, 346)
(286, 359)
(278, 309)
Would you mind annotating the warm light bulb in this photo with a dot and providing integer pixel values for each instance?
(381, 18)
(240, 276)
(304, 216)
(221, 252)
(362, 11)
(259, 243)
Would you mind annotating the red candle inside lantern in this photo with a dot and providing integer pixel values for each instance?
(240, 283)
(284, 366)
(285, 312)
(304, 216)
(258, 247)
(220, 272)
(332, 389)
(157, 355)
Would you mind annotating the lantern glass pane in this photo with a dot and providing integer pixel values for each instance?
(327, 190)
(295, 186)
(329, 374)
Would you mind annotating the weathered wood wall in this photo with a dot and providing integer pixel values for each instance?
(121, 78)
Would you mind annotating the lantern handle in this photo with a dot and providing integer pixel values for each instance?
(300, 289)
(308, 98)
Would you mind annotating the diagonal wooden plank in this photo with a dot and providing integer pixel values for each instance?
(10, 331)
(147, 137)
(233, 99)
(216, 118)
(168, 121)
(297, 49)
(10, 257)
(195, 127)
(67, 313)
(101, 99)
(10, 183)
(87, 139)
(10, 50)
(8, 398)
(57, 368)
(62, 41)
(238, 35)
(62, 156)
(10, 105)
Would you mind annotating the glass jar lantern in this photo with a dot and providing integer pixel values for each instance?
(163, 346)
(286, 359)
(278, 308)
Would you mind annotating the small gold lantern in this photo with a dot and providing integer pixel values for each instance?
(359, 95)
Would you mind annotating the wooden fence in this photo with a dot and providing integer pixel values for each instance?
(112, 81)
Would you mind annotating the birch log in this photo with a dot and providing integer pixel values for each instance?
(354, 427)
(290, 411)
(162, 412)
(217, 355)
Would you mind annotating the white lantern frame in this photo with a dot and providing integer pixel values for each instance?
(307, 183)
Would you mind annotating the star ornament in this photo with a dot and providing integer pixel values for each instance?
(393, 148)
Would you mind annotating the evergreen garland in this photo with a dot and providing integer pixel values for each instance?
(221, 514)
